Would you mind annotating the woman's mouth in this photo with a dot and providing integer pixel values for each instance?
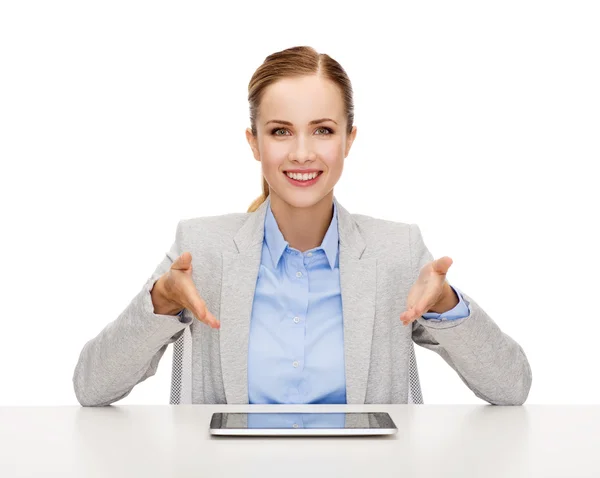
(303, 183)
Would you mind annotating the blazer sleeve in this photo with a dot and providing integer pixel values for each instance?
(487, 360)
(127, 351)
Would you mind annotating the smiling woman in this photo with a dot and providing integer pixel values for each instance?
(297, 300)
(301, 120)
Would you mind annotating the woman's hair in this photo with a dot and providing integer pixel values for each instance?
(294, 62)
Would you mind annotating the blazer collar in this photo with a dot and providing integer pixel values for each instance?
(238, 283)
(252, 231)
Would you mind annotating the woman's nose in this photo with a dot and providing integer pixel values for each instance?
(302, 149)
(302, 155)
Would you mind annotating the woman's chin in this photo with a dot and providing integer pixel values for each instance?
(303, 199)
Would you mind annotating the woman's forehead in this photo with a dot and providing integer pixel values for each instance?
(307, 97)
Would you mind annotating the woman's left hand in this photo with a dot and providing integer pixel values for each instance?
(431, 292)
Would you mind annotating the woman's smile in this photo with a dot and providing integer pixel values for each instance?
(300, 181)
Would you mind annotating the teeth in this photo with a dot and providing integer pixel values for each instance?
(302, 177)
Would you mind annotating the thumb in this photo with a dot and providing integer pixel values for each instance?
(183, 262)
(442, 265)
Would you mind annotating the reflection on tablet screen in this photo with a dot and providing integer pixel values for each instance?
(306, 420)
(296, 420)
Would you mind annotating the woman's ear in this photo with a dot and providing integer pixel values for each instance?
(253, 143)
(350, 140)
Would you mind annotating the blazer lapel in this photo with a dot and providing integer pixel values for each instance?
(240, 271)
(239, 274)
(358, 288)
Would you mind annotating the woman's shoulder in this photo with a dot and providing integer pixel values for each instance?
(389, 238)
(212, 229)
(378, 225)
(216, 220)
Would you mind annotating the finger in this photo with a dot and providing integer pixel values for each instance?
(442, 264)
(203, 315)
(197, 305)
(420, 309)
(408, 313)
(214, 323)
(407, 317)
(183, 262)
(413, 314)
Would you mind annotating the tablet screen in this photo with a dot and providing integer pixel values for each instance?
(347, 420)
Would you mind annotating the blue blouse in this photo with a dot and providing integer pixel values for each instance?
(296, 343)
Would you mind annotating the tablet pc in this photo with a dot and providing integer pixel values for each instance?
(302, 424)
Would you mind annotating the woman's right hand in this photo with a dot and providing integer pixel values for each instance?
(175, 290)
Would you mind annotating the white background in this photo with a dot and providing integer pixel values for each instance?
(478, 121)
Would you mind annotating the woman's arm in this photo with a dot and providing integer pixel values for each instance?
(127, 351)
(489, 362)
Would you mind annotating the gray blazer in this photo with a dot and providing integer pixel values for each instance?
(379, 261)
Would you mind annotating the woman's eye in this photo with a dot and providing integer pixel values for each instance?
(276, 130)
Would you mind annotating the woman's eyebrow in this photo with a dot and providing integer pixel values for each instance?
(317, 121)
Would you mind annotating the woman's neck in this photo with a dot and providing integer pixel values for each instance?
(303, 227)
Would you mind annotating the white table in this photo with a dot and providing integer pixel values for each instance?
(173, 441)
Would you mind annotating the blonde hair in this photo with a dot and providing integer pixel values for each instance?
(294, 62)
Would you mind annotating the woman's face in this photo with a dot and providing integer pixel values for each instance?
(288, 138)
